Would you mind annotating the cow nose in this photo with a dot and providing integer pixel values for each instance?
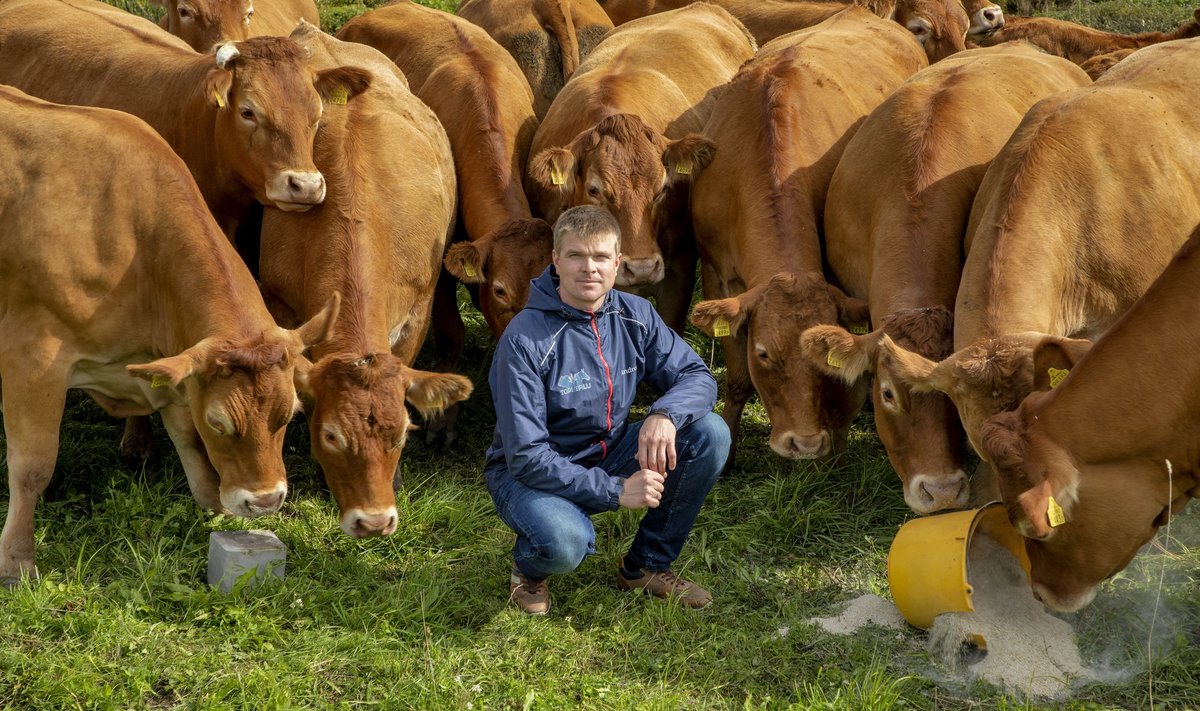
(797, 446)
(934, 492)
(306, 188)
(990, 14)
(265, 503)
(361, 524)
(640, 272)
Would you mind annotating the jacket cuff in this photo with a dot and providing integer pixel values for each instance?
(675, 419)
(615, 485)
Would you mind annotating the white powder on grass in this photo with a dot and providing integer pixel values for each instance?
(862, 611)
(1009, 640)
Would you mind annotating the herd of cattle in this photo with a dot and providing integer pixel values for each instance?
(875, 204)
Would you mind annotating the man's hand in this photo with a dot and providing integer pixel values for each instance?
(642, 489)
(656, 444)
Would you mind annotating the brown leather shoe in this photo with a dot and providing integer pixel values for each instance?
(665, 583)
(532, 596)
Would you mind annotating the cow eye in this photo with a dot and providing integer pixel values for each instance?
(217, 426)
(248, 114)
(499, 291)
(184, 13)
(593, 191)
(888, 395)
(249, 14)
(761, 353)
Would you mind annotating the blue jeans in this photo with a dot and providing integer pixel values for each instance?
(554, 534)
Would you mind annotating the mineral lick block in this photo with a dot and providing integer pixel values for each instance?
(233, 553)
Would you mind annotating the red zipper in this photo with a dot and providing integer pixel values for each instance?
(608, 377)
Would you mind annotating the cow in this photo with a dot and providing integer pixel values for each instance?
(1079, 43)
(481, 97)
(624, 134)
(1098, 66)
(778, 131)
(986, 17)
(1049, 257)
(243, 118)
(1090, 469)
(378, 240)
(116, 280)
(939, 25)
(548, 38)
(895, 219)
(206, 23)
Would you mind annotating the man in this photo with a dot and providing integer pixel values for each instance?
(564, 376)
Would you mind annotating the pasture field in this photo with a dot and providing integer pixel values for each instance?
(122, 617)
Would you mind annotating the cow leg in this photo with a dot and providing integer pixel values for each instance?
(675, 291)
(203, 480)
(449, 337)
(137, 441)
(738, 388)
(31, 428)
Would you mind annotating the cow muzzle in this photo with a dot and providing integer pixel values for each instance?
(640, 272)
(295, 190)
(252, 504)
(927, 493)
(798, 446)
(362, 524)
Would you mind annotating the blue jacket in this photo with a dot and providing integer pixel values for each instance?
(563, 381)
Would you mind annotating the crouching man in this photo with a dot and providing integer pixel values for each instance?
(564, 376)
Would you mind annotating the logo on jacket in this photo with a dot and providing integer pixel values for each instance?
(575, 382)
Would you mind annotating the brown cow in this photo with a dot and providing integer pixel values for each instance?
(939, 25)
(111, 267)
(548, 38)
(378, 240)
(1063, 238)
(779, 129)
(243, 120)
(1098, 66)
(479, 94)
(1079, 43)
(624, 134)
(894, 221)
(205, 23)
(1092, 468)
(986, 17)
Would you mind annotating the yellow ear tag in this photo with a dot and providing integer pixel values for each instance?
(470, 270)
(721, 328)
(683, 169)
(834, 361)
(1055, 513)
(159, 381)
(859, 329)
(220, 99)
(339, 96)
(557, 177)
(1057, 375)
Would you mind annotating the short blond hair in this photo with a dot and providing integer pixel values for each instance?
(586, 222)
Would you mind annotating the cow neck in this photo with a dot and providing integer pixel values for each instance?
(773, 243)
(922, 273)
(1148, 355)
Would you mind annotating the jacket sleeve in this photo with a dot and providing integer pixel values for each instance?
(519, 396)
(689, 390)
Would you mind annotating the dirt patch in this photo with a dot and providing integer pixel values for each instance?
(1009, 640)
(862, 611)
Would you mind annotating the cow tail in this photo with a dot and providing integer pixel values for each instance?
(556, 17)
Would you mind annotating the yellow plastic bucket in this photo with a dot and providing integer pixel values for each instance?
(927, 563)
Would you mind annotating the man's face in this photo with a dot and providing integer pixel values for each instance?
(587, 269)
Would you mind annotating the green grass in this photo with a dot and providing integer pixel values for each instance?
(122, 616)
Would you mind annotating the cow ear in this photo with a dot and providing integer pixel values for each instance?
(341, 84)
(1054, 357)
(218, 87)
(1042, 512)
(318, 328)
(837, 352)
(554, 170)
(466, 260)
(687, 156)
(431, 393)
(854, 314)
(918, 372)
(175, 369)
(725, 317)
(302, 380)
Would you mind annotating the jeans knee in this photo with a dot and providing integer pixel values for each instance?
(709, 438)
(563, 550)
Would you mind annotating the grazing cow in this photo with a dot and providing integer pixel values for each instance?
(1079, 43)
(111, 267)
(1063, 237)
(779, 129)
(894, 222)
(624, 134)
(939, 25)
(206, 23)
(378, 240)
(479, 94)
(1092, 468)
(243, 120)
(1099, 65)
(548, 38)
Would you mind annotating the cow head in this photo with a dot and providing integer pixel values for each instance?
(241, 396)
(630, 169)
(921, 431)
(358, 424)
(268, 103)
(939, 25)
(986, 17)
(990, 376)
(810, 411)
(1083, 523)
(503, 262)
(204, 23)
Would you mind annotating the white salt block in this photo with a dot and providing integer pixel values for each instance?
(232, 553)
